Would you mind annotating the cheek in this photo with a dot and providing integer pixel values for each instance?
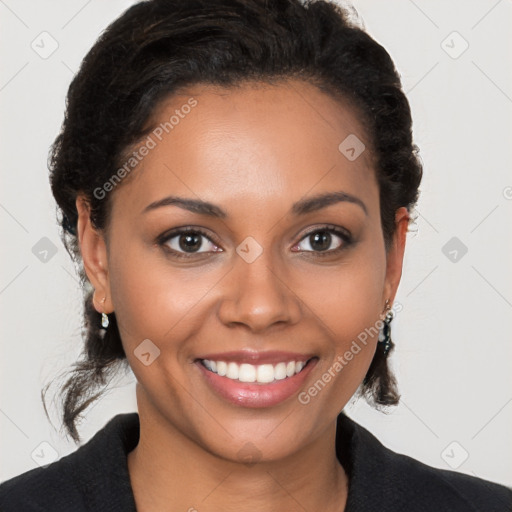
(347, 303)
(156, 302)
(152, 298)
(347, 298)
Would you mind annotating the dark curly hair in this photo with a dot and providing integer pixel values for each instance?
(158, 46)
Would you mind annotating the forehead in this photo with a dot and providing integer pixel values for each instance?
(251, 144)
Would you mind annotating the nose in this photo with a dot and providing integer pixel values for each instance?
(258, 296)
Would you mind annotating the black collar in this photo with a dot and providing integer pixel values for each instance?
(380, 480)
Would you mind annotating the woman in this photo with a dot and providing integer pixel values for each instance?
(237, 178)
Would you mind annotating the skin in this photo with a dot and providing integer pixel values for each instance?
(253, 151)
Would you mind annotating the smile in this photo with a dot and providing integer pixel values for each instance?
(264, 384)
(263, 374)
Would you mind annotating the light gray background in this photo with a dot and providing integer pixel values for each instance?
(453, 359)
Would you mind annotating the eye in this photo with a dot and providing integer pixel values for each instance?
(189, 241)
(186, 242)
(325, 240)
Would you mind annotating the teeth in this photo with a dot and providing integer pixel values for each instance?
(221, 367)
(263, 373)
(280, 371)
(233, 371)
(247, 373)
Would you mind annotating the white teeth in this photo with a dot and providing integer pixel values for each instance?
(247, 373)
(222, 367)
(280, 371)
(263, 373)
(232, 372)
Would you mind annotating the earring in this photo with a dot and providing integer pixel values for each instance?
(104, 317)
(385, 333)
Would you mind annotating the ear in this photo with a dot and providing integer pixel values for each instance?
(94, 255)
(395, 255)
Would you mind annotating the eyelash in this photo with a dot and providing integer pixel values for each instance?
(163, 239)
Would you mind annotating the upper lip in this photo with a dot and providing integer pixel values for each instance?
(255, 357)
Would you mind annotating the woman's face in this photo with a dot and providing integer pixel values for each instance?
(263, 270)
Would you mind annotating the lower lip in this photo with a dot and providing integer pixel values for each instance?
(256, 395)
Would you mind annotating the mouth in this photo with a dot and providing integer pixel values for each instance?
(255, 385)
(261, 374)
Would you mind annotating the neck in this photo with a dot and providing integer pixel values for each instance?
(167, 467)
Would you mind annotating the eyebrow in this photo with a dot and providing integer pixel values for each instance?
(302, 207)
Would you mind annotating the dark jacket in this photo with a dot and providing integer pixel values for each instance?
(95, 478)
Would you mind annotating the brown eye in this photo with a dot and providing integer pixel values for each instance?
(190, 242)
(185, 242)
(320, 241)
(324, 240)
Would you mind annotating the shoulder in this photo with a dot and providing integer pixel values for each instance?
(384, 480)
(441, 489)
(93, 477)
(50, 487)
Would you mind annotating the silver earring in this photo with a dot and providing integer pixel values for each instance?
(104, 317)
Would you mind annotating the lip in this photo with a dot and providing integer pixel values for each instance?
(255, 357)
(255, 395)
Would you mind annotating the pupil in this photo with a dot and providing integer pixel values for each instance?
(321, 240)
(188, 242)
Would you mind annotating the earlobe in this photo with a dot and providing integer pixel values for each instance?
(396, 254)
(94, 256)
